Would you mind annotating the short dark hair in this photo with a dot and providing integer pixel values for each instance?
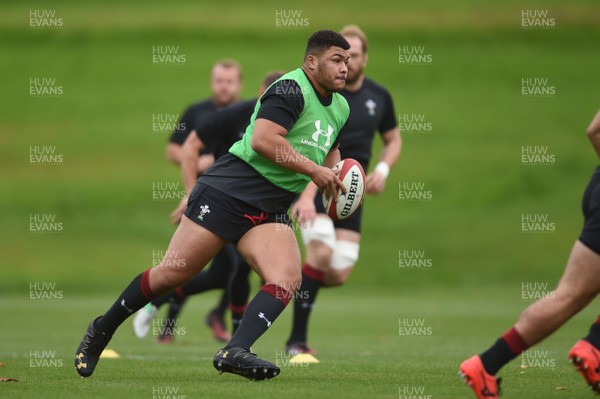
(321, 40)
(272, 77)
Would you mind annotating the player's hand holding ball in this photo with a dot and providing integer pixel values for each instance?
(345, 202)
(327, 180)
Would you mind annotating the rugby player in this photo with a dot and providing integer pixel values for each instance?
(332, 246)
(225, 85)
(218, 132)
(243, 198)
(578, 286)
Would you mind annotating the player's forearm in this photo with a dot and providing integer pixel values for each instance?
(277, 150)
(310, 191)
(189, 167)
(189, 160)
(330, 160)
(334, 156)
(595, 139)
(173, 153)
(593, 132)
(594, 127)
(391, 148)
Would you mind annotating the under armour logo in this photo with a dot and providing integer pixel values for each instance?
(320, 132)
(223, 354)
(80, 363)
(125, 306)
(262, 316)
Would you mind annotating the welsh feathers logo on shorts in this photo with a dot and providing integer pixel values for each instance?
(203, 211)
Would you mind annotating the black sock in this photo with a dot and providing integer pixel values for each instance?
(311, 283)
(136, 296)
(594, 336)
(262, 311)
(177, 302)
(225, 266)
(239, 288)
(237, 314)
(506, 348)
(158, 302)
(496, 356)
(222, 305)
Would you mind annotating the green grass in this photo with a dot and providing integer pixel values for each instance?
(102, 193)
(471, 159)
(360, 350)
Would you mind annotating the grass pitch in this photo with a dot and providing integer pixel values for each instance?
(470, 160)
(365, 350)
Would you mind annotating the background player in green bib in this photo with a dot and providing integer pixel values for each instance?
(243, 198)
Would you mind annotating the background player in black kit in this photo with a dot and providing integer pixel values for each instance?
(332, 247)
(218, 132)
(225, 85)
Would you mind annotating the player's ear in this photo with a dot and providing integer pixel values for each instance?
(311, 62)
(366, 60)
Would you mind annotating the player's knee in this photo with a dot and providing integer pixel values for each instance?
(575, 299)
(289, 281)
(319, 254)
(167, 279)
(345, 255)
(336, 278)
(295, 282)
(319, 239)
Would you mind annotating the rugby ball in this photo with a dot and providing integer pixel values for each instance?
(353, 177)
